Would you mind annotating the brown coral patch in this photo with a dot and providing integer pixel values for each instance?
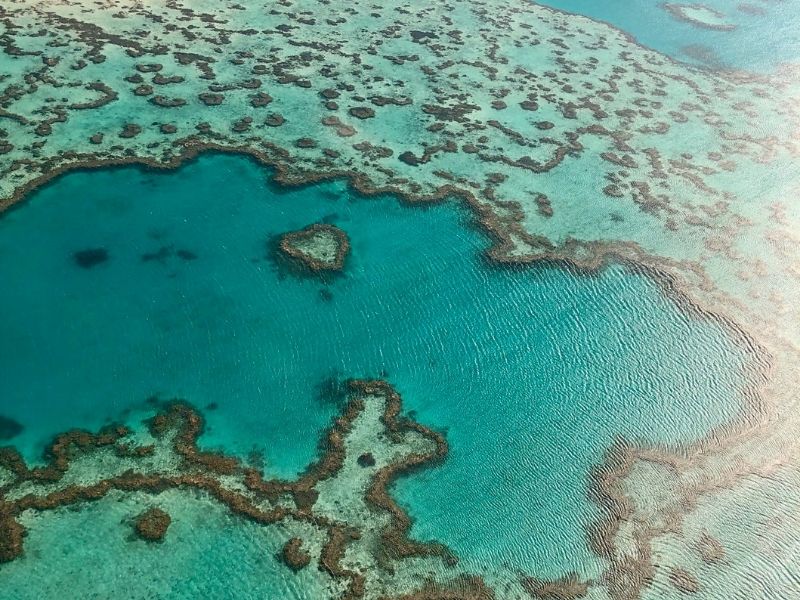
(395, 543)
(260, 99)
(130, 130)
(152, 525)
(165, 102)
(362, 112)
(291, 245)
(566, 588)
(210, 99)
(11, 534)
(274, 120)
(294, 555)
(366, 460)
(200, 471)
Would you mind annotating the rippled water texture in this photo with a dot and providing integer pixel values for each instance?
(121, 284)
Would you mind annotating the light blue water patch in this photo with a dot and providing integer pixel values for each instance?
(93, 553)
(765, 35)
(530, 372)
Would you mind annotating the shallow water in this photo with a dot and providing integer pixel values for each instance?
(93, 553)
(765, 34)
(530, 372)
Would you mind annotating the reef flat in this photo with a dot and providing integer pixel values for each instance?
(661, 148)
(569, 141)
(339, 511)
(384, 103)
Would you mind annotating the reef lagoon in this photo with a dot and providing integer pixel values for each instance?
(469, 300)
(530, 373)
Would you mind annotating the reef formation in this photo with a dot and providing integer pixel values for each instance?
(333, 508)
(498, 103)
(699, 15)
(318, 247)
(152, 525)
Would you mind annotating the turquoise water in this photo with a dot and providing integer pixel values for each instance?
(93, 553)
(761, 40)
(530, 372)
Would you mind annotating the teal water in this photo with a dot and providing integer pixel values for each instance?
(766, 34)
(530, 372)
(92, 553)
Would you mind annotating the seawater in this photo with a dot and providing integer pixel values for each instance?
(92, 553)
(530, 372)
(764, 35)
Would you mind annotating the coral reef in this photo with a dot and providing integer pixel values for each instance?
(318, 247)
(294, 556)
(152, 525)
(497, 103)
(107, 462)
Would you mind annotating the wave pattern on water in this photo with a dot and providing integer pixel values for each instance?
(573, 145)
(530, 373)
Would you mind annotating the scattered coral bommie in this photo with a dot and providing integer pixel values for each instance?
(502, 104)
(109, 462)
(152, 525)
